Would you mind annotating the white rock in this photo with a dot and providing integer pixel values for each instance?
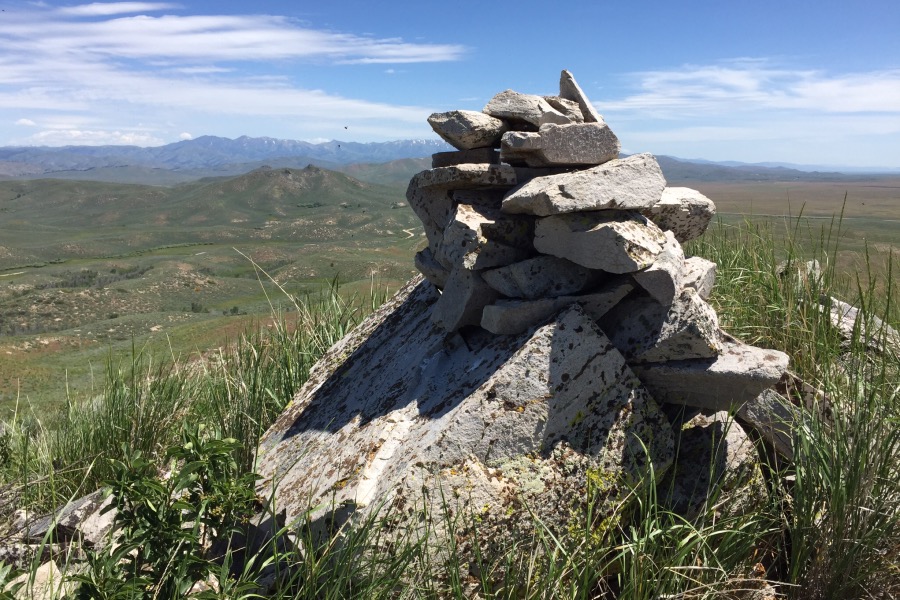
(569, 108)
(699, 274)
(612, 241)
(663, 279)
(570, 90)
(631, 183)
(46, 583)
(466, 176)
(513, 106)
(540, 277)
(736, 376)
(478, 237)
(506, 317)
(561, 144)
(683, 211)
(467, 129)
(464, 297)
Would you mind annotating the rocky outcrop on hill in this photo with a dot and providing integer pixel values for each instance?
(524, 375)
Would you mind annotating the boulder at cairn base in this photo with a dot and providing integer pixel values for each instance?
(467, 129)
(552, 145)
(683, 211)
(612, 241)
(398, 413)
(631, 183)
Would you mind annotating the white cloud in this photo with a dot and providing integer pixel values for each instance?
(63, 137)
(185, 136)
(103, 9)
(26, 122)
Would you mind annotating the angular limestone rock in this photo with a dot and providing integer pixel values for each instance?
(683, 211)
(699, 274)
(515, 107)
(612, 241)
(568, 108)
(464, 297)
(645, 331)
(737, 375)
(399, 414)
(465, 176)
(870, 330)
(433, 206)
(630, 183)
(478, 237)
(433, 271)
(467, 129)
(566, 144)
(720, 457)
(506, 317)
(539, 277)
(774, 418)
(570, 90)
(488, 156)
(663, 279)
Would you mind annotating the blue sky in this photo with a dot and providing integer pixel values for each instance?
(794, 81)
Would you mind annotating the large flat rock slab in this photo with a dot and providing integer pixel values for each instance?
(566, 144)
(467, 129)
(399, 413)
(518, 108)
(631, 183)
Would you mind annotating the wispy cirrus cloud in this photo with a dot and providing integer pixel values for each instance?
(125, 63)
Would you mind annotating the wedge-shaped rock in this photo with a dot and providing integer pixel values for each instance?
(465, 176)
(631, 183)
(568, 108)
(699, 274)
(612, 241)
(570, 90)
(663, 279)
(467, 129)
(541, 277)
(488, 156)
(433, 271)
(464, 297)
(574, 144)
(398, 414)
(774, 418)
(506, 317)
(433, 206)
(737, 375)
(518, 108)
(683, 211)
(481, 238)
(645, 331)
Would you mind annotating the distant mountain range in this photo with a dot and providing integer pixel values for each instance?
(384, 163)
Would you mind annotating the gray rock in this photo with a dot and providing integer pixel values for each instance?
(561, 144)
(663, 279)
(506, 317)
(433, 206)
(699, 274)
(517, 108)
(683, 211)
(481, 238)
(718, 462)
(570, 90)
(465, 176)
(490, 156)
(612, 241)
(46, 582)
(539, 277)
(737, 375)
(629, 183)
(645, 331)
(869, 330)
(774, 418)
(401, 417)
(568, 108)
(464, 297)
(433, 271)
(555, 118)
(467, 129)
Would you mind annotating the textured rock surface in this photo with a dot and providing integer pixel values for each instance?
(433, 271)
(645, 331)
(612, 241)
(482, 238)
(738, 375)
(467, 176)
(475, 156)
(464, 297)
(561, 144)
(542, 276)
(484, 423)
(570, 90)
(467, 129)
(433, 206)
(568, 108)
(774, 418)
(513, 106)
(630, 183)
(699, 274)
(663, 279)
(506, 317)
(683, 211)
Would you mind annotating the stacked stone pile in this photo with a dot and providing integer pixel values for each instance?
(535, 212)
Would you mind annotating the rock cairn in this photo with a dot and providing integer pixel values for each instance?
(535, 211)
